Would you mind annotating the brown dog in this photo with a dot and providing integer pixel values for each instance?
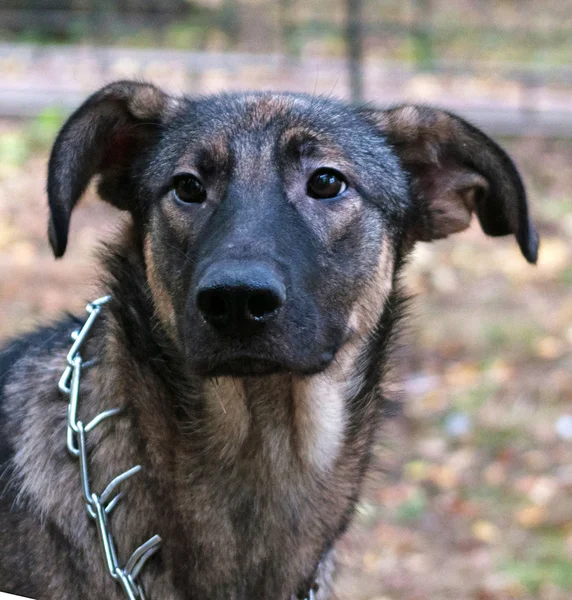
(254, 296)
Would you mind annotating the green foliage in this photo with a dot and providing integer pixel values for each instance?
(42, 131)
(423, 51)
(534, 574)
(186, 35)
(413, 508)
(14, 150)
(472, 399)
(16, 147)
(497, 440)
(551, 209)
(566, 276)
(510, 335)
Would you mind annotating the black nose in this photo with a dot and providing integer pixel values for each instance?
(240, 297)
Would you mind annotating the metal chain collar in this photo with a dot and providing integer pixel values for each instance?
(100, 506)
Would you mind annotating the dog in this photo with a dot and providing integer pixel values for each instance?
(238, 364)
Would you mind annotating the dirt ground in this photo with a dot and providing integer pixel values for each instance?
(471, 494)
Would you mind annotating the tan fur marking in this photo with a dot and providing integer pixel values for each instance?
(417, 135)
(320, 417)
(407, 121)
(264, 109)
(161, 299)
(148, 102)
(218, 146)
(228, 419)
(323, 146)
(215, 148)
(298, 135)
(367, 309)
(177, 218)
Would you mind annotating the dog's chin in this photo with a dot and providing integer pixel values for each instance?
(247, 366)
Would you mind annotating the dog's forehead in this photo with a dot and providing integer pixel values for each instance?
(269, 119)
(259, 110)
(222, 129)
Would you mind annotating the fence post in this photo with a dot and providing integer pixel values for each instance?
(288, 28)
(422, 33)
(103, 21)
(354, 43)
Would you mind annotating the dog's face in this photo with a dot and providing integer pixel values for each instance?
(270, 224)
(266, 217)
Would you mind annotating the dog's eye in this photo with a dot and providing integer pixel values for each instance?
(326, 183)
(188, 188)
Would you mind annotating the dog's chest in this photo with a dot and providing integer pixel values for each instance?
(259, 496)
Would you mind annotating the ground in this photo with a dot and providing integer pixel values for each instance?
(470, 496)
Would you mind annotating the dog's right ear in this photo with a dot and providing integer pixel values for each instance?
(102, 137)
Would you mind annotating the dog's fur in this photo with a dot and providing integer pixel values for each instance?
(253, 447)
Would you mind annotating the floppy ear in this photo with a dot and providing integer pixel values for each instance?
(455, 170)
(102, 137)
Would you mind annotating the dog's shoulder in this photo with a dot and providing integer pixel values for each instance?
(22, 363)
(36, 346)
(9, 356)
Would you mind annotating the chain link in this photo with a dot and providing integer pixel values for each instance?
(100, 506)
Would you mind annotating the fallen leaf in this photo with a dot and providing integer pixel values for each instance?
(531, 516)
(485, 531)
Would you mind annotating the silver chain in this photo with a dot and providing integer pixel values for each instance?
(100, 506)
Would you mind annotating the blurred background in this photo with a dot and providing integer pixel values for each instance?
(470, 497)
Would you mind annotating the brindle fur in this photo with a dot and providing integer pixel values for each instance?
(251, 473)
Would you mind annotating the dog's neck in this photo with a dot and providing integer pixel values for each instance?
(297, 421)
(267, 468)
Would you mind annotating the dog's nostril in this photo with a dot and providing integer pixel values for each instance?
(214, 304)
(262, 303)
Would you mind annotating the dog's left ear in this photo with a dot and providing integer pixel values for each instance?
(104, 136)
(455, 170)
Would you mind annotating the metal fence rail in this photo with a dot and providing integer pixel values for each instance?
(264, 44)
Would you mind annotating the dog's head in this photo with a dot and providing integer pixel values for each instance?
(270, 224)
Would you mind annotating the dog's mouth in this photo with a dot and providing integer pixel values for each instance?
(246, 366)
